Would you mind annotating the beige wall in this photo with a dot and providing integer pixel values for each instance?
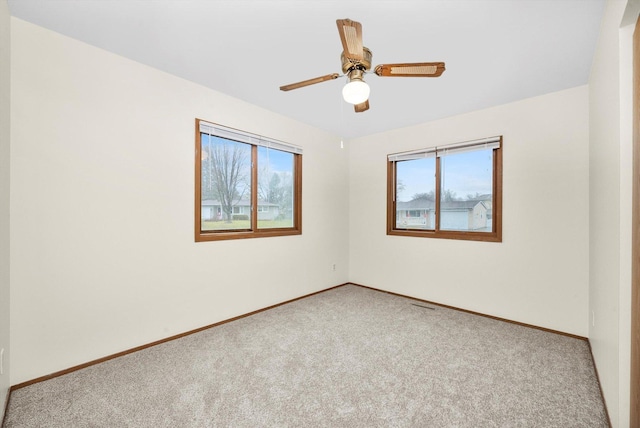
(610, 149)
(103, 253)
(106, 144)
(539, 273)
(604, 206)
(5, 44)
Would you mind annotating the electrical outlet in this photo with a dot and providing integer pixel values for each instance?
(333, 267)
(593, 318)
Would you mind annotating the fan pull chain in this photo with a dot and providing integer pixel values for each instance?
(341, 122)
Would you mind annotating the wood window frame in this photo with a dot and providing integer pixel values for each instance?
(496, 219)
(254, 231)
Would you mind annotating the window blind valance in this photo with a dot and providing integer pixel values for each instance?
(415, 154)
(467, 146)
(246, 137)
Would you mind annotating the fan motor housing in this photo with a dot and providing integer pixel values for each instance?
(363, 64)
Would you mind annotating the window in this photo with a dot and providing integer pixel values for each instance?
(453, 192)
(247, 186)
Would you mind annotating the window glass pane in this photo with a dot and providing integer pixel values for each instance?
(466, 191)
(226, 184)
(275, 188)
(415, 193)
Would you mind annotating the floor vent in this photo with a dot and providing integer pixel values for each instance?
(426, 307)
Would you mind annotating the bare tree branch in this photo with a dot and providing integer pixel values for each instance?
(228, 174)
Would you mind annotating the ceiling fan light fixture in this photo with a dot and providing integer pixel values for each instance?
(356, 91)
(355, 62)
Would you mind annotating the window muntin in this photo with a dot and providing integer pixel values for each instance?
(246, 185)
(452, 192)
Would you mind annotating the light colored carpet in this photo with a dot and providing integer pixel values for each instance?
(348, 357)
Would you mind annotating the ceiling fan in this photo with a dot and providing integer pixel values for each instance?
(356, 62)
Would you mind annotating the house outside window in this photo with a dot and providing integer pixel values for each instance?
(247, 186)
(452, 191)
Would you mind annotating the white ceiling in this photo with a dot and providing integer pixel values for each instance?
(496, 51)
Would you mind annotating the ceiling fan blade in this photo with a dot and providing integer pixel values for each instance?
(309, 82)
(417, 69)
(351, 37)
(359, 108)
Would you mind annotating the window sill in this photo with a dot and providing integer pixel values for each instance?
(465, 236)
(223, 236)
